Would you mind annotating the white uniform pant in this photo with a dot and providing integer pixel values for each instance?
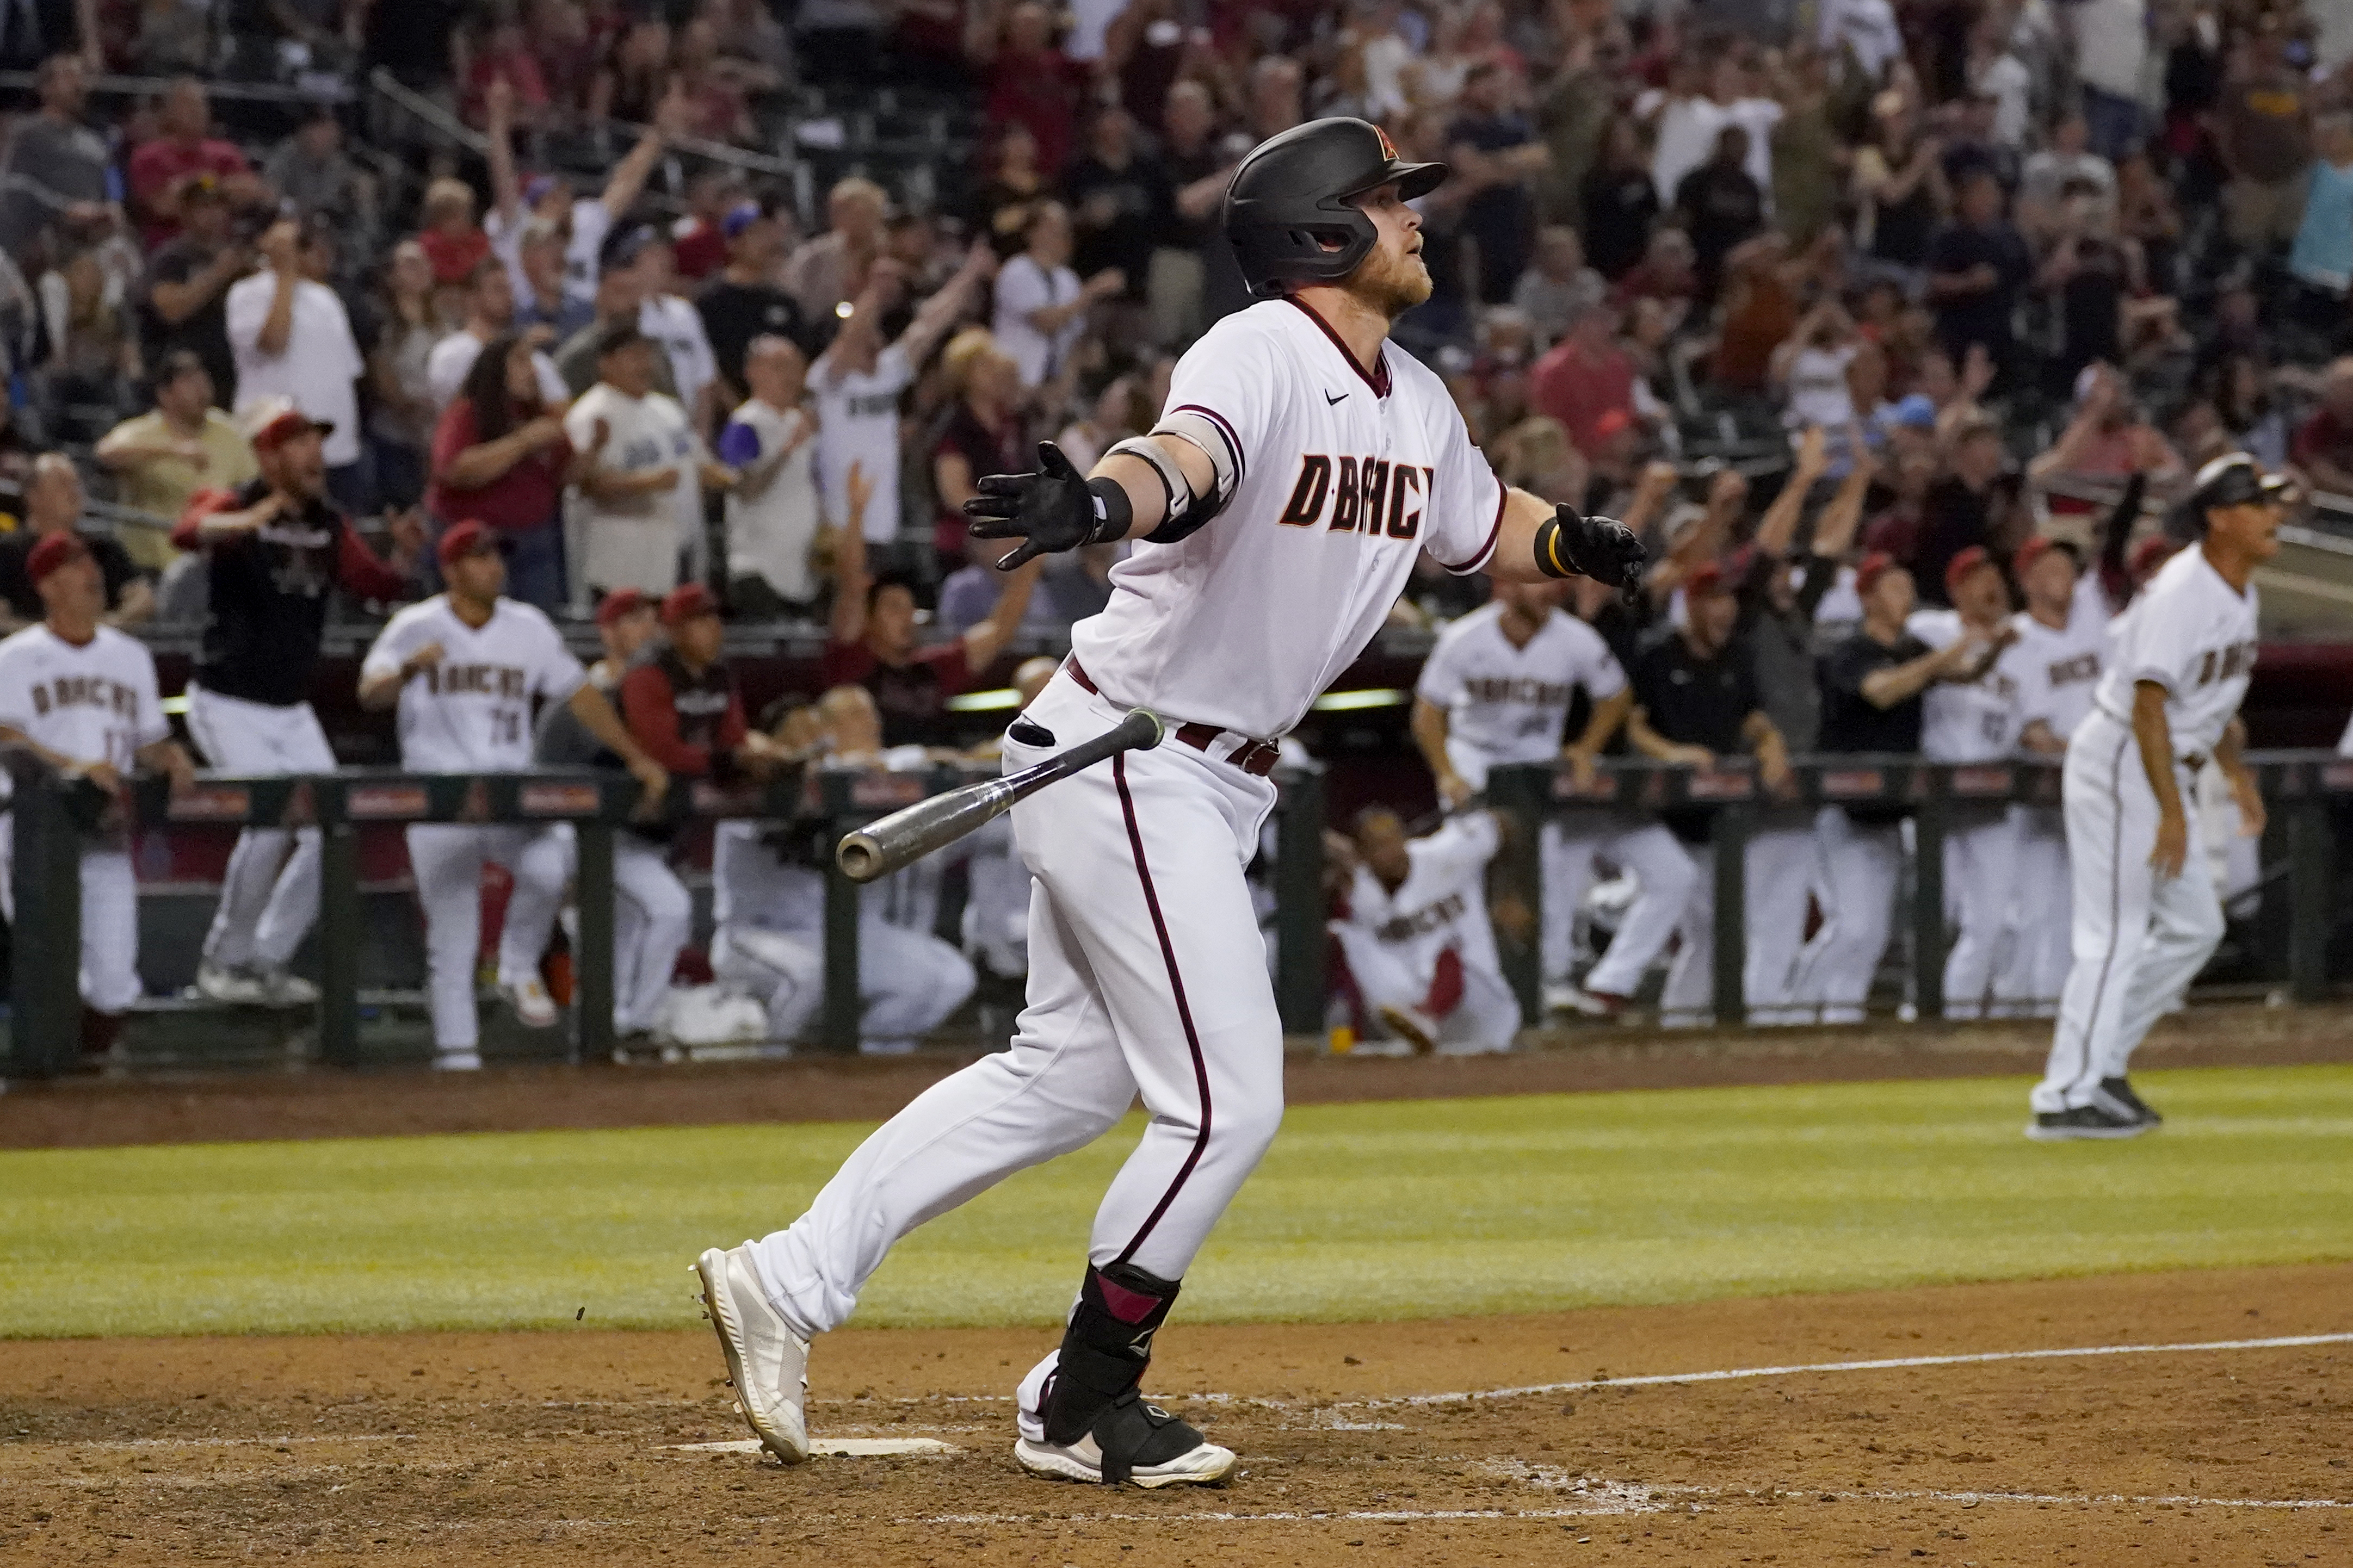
(1981, 860)
(1146, 977)
(109, 921)
(2139, 940)
(2034, 966)
(652, 917)
(1859, 865)
(1776, 866)
(997, 914)
(447, 859)
(785, 970)
(1664, 873)
(269, 898)
(1485, 1019)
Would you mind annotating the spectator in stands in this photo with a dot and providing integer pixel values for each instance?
(2322, 257)
(539, 256)
(832, 268)
(1122, 204)
(1976, 270)
(644, 473)
(1585, 378)
(1619, 201)
(184, 292)
(1970, 507)
(2263, 131)
(401, 406)
(620, 294)
(1721, 205)
(774, 510)
(57, 166)
(53, 504)
(489, 315)
(2067, 162)
(453, 241)
(743, 302)
(2111, 49)
(587, 222)
(182, 150)
(1041, 306)
(1030, 81)
(871, 641)
(293, 338)
(310, 170)
(1777, 612)
(500, 458)
(674, 324)
(164, 457)
(1496, 151)
(1898, 185)
(92, 352)
(1197, 169)
(2107, 442)
(1556, 285)
(982, 436)
(2323, 448)
(1000, 207)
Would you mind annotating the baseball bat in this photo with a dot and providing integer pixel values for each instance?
(904, 837)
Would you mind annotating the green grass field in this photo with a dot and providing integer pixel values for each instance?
(1398, 1210)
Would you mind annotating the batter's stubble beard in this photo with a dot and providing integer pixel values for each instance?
(1390, 286)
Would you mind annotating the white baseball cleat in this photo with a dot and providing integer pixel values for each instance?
(534, 1008)
(231, 987)
(283, 988)
(1411, 1024)
(766, 1361)
(466, 1060)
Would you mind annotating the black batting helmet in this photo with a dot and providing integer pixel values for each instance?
(1289, 200)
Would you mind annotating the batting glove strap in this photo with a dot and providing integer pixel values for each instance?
(1570, 544)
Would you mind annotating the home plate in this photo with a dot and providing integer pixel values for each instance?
(830, 1447)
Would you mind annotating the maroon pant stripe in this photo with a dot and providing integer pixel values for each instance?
(1183, 1011)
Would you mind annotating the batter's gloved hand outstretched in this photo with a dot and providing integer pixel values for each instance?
(1600, 548)
(1050, 510)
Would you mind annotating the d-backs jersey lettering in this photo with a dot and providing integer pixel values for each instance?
(472, 712)
(1506, 704)
(1343, 478)
(96, 703)
(2058, 670)
(2194, 635)
(1441, 904)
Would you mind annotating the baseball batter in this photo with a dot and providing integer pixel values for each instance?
(2146, 914)
(2062, 652)
(273, 547)
(1277, 508)
(82, 697)
(1495, 690)
(1973, 721)
(1416, 934)
(465, 668)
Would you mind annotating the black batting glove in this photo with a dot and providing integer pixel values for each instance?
(1050, 510)
(1601, 548)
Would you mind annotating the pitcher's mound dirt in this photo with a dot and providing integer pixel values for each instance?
(561, 1447)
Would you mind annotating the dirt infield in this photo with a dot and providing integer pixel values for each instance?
(80, 1114)
(558, 1448)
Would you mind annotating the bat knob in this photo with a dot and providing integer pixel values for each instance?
(1146, 720)
(860, 857)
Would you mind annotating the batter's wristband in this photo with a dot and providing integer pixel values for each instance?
(1550, 560)
(1112, 513)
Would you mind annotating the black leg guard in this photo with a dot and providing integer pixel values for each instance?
(1105, 1349)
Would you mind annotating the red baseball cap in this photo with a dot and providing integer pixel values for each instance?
(275, 419)
(1611, 422)
(1706, 579)
(619, 604)
(2036, 548)
(1957, 569)
(53, 552)
(467, 538)
(684, 604)
(1873, 566)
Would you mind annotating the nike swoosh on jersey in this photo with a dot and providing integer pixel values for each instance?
(1332, 397)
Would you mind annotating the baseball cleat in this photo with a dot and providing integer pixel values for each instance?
(231, 987)
(766, 1361)
(1597, 1004)
(1412, 1026)
(2118, 1092)
(2084, 1122)
(534, 1008)
(466, 1060)
(283, 988)
(1165, 1451)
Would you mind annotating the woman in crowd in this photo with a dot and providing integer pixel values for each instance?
(400, 418)
(500, 458)
(984, 435)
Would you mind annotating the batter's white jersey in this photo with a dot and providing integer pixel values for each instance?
(96, 702)
(2058, 670)
(472, 712)
(2194, 635)
(1506, 704)
(1976, 722)
(1343, 479)
(1441, 904)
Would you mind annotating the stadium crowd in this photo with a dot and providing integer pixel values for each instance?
(1894, 326)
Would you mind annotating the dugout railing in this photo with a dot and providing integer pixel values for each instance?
(2295, 918)
(48, 841)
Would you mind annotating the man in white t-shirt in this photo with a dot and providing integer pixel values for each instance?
(1041, 306)
(642, 512)
(774, 510)
(490, 311)
(293, 340)
(82, 697)
(587, 220)
(856, 384)
(677, 326)
(465, 668)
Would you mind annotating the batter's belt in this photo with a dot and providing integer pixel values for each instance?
(1255, 757)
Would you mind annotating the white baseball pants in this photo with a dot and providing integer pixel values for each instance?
(1664, 873)
(997, 914)
(1777, 867)
(652, 917)
(2139, 940)
(2034, 966)
(1859, 867)
(1146, 977)
(1485, 1019)
(269, 898)
(785, 970)
(109, 921)
(447, 859)
(1980, 861)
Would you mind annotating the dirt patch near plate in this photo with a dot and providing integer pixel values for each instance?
(464, 1449)
(328, 1104)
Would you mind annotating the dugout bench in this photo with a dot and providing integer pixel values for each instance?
(45, 1032)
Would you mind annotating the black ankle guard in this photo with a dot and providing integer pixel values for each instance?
(1105, 1349)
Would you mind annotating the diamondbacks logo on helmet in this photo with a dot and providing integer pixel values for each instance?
(1389, 148)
